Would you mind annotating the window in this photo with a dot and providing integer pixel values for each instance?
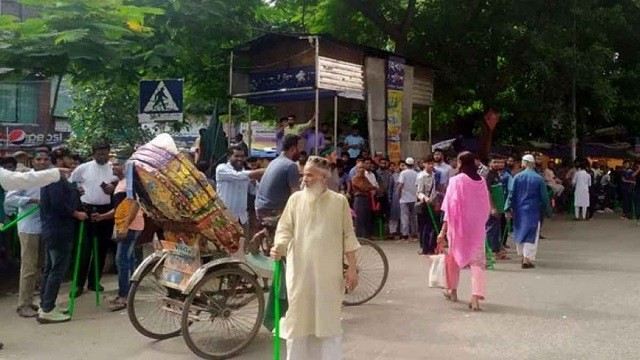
(19, 102)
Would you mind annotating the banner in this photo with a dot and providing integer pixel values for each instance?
(395, 97)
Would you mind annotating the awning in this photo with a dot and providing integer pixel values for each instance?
(289, 95)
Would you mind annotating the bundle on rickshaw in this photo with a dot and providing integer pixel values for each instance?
(174, 193)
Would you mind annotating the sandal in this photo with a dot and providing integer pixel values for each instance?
(474, 304)
(450, 296)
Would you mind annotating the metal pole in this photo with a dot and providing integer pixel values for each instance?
(335, 123)
(430, 139)
(230, 96)
(250, 130)
(315, 146)
(574, 123)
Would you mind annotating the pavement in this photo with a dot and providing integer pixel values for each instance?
(582, 301)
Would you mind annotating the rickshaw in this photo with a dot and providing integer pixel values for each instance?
(199, 282)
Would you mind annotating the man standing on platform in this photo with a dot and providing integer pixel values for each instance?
(98, 183)
(315, 233)
(527, 200)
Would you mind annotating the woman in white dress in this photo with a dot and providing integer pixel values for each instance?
(581, 182)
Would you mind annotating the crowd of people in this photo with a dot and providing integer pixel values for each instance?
(92, 193)
(463, 203)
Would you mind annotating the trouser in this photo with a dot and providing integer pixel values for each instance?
(103, 231)
(314, 348)
(494, 232)
(29, 250)
(581, 212)
(55, 265)
(126, 261)
(627, 202)
(408, 221)
(529, 250)
(427, 232)
(478, 274)
(362, 208)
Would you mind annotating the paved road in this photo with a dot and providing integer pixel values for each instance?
(581, 302)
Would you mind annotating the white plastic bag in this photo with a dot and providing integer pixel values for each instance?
(437, 271)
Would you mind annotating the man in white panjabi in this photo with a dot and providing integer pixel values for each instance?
(315, 232)
(581, 182)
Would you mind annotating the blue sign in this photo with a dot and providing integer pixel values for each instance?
(395, 73)
(291, 78)
(161, 100)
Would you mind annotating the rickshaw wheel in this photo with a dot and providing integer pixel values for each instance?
(153, 308)
(373, 270)
(223, 313)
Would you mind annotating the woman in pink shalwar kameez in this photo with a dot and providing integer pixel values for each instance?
(466, 208)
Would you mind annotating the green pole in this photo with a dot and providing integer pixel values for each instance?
(276, 312)
(18, 218)
(507, 228)
(433, 219)
(380, 227)
(571, 211)
(76, 270)
(96, 269)
(490, 259)
(635, 211)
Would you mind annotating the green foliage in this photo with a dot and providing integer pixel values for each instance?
(87, 39)
(105, 111)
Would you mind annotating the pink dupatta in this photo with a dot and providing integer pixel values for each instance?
(466, 209)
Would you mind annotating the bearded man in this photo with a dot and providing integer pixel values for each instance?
(315, 233)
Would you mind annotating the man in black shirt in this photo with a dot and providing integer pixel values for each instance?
(58, 204)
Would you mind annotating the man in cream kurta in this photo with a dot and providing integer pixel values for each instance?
(315, 232)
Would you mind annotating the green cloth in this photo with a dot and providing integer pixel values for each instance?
(497, 197)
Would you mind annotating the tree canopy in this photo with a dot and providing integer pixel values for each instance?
(527, 59)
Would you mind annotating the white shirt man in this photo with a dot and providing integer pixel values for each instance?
(408, 197)
(234, 183)
(29, 232)
(316, 232)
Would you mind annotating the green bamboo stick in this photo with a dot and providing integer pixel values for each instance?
(96, 270)
(20, 216)
(490, 259)
(76, 270)
(507, 228)
(276, 312)
(433, 219)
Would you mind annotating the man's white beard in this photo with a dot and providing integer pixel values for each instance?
(313, 192)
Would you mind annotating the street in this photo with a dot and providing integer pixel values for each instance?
(580, 302)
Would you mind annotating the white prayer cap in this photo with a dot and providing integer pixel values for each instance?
(410, 161)
(529, 158)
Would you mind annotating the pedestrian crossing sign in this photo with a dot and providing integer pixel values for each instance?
(161, 100)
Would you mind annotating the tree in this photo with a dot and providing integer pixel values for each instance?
(87, 39)
(103, 111)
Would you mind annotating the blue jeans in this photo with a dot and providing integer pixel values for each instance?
(494, 233)
(126, 261)
(55, 267)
